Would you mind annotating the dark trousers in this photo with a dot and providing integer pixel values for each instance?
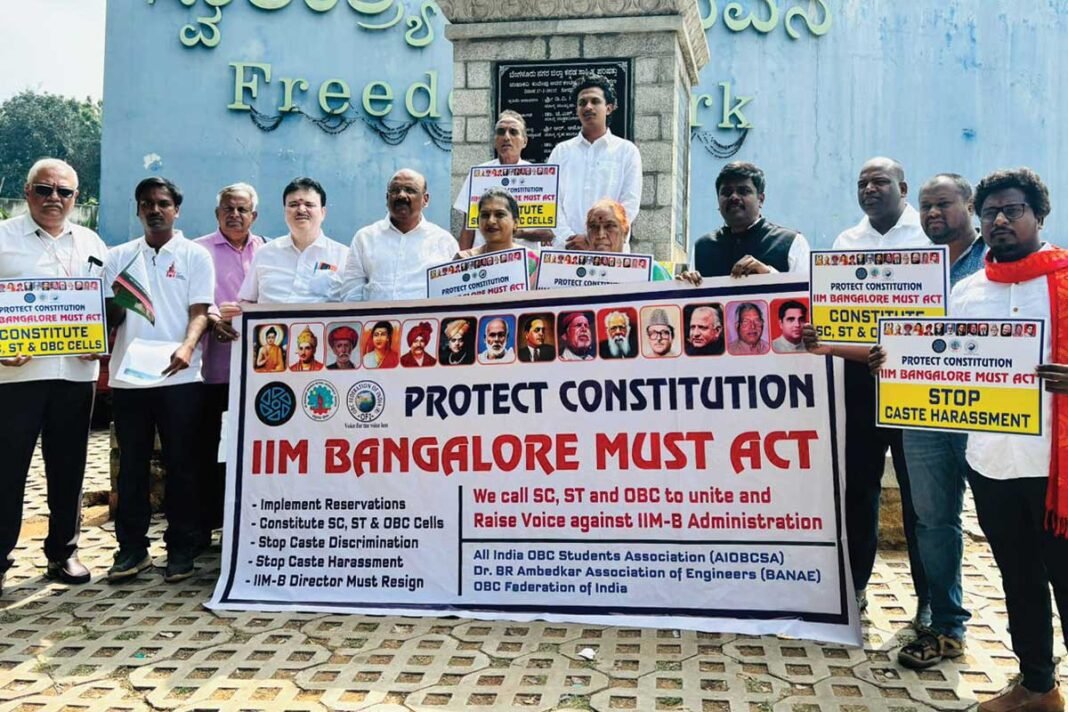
(59, 412)
(865, 453)
(1030, 559)
(213, 472)
(176, 411)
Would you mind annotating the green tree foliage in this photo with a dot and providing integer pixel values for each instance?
(34, 126)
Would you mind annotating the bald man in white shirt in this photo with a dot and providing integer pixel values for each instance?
(388, 259)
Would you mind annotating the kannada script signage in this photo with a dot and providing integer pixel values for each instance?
(541, 92)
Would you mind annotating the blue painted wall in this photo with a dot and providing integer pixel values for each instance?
(966, 86)
(170, 101)
(942, 85)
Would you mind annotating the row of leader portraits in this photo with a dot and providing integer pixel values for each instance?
(162, 286)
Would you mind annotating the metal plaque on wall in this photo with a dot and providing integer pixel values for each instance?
(541, 92)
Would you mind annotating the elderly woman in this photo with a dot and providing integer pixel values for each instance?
(498, 215)
(378, 351)
(606, 230)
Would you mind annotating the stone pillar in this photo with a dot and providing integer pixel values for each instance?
(666, 42)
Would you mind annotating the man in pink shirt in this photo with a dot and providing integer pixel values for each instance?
(232, 247)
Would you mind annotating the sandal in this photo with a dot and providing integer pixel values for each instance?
(930, 649)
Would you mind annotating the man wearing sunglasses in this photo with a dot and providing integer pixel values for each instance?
(509, 140)
(51, 397)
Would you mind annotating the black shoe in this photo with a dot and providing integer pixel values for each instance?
(128, 563)
(922, 620)
(179, 567)
(71, 571)
(862, 600)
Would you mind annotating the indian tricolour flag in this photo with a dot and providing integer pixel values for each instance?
(130, 291)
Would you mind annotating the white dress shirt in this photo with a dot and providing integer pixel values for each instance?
(385, 264)
(282, 274)
(462, 204)
(28, 250)
(180, 275)
(1000, 456)
(610, 167)
(797, 258)
(906, 233)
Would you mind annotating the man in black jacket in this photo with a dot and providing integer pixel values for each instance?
(747, 243)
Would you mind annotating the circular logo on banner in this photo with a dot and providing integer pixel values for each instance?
(320, 400)
(482, 274)
(954, 345)
(861, 273)
(505, 182)
(30, 297)
(467, 277)
(275, 403)
(581, 271)
(938, 346)
(887, 273)
(366, 401)
(970, 346)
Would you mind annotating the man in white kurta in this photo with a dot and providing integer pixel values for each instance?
(594, 164)
(388, 259)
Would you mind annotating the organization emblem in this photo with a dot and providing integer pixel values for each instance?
(320, 400)
(366, 401)
(275, 403)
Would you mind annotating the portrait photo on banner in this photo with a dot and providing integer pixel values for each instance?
(343, 338)
(536, 338)
(269, 348)
(457, 341)
(307, 346)
(381, 344)
(788, 316)
(576, 335)
(747, 325)
(496, 339)
(704, 329)
(420, 341)
(660, 330)
(619, 332)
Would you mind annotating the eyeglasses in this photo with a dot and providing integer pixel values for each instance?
(659, 335)
(1012, 211)
(45, 191)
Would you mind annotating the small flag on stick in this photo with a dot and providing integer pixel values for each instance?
(130, 292)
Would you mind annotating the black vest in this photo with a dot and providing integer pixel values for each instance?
(714, 255)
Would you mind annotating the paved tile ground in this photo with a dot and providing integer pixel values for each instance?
(151, 646)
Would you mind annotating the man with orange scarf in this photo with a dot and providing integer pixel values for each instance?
(1021, 483)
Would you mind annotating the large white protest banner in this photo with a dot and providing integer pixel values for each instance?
(582, 455)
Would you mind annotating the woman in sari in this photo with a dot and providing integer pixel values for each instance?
(379, 353)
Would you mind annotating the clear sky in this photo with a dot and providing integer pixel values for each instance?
(54, 46)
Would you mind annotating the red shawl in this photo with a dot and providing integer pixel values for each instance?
(1052, 263)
